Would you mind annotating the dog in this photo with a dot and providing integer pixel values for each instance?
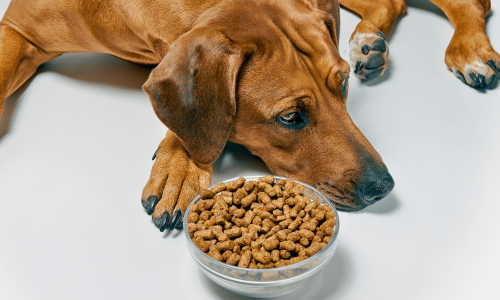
(265, 74)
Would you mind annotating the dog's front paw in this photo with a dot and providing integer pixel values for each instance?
(472, 58)
(368, 51)
(175, 180)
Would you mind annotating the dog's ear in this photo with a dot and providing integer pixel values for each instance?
(193, 90)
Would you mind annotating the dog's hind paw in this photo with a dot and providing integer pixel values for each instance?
(175, 180)
(472, 59)
(368, 54)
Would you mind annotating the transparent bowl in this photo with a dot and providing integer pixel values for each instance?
(265, 283)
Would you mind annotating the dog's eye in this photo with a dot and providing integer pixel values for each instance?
(343, 87)
(294, 120)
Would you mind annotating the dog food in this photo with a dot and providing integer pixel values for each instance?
(259, 224)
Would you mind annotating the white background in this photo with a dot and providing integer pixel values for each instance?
(78, 153)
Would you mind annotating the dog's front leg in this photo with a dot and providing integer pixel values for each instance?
(175, 180)
(470, 55)
(368, 47)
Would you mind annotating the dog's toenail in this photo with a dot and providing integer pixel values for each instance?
(379, 45)
(179, 225)
(492, 65)
(481, 79)
(175, 219)
(365, 49)
(380, 34)
(493, 78)
(461, 76)
(150, 205)
(474, 79)
(375, 60)
(154, 155)
(358, 66)
(161, 223)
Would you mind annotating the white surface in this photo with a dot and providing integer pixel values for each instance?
(78, 154)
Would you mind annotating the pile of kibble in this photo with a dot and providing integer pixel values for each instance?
(259, 224)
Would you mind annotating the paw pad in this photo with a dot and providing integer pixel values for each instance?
(477, 74)
(368, 54)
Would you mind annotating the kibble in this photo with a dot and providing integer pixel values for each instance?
(260, 224)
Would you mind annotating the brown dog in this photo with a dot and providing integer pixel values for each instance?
(262, 73)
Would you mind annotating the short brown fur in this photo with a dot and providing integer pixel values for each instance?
(234, 70)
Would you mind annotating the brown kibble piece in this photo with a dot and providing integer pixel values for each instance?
(304, 241)
(285, 254)
(233, 259)
(313, 249)
(312, 205)
(280, 183)
(329, 231)
(226, 245)
(205, 215)
(271, 243)
(294, 236)
(263, 198)
(206, 234)
(227, 254)
(218, 188)
(234, 185)
(193, 217)
(287, 245)
(249, 185)
(295, 224)
(192, 228)
(243, 240)
(206, 194)
(239, 213)
(233, 232)
(269, 179)
(275, 255)
(327, 239)
(205, 204)
(306, 233)
(238, 195)
(263, 257)
(221, 236)
(246, 201)
(201, 244)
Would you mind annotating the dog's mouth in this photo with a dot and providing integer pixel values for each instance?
(343, 200)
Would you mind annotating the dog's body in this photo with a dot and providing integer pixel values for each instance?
(264, 74)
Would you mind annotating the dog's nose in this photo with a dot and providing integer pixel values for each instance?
(375, 186)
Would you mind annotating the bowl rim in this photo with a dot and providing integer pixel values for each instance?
(217, 263)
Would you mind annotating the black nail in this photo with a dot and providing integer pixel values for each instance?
(379, 45)
(343, 87)
(375, 60)
(492, 65)
(461, 76)
(150, 204)
(493, 78)
(161, 223)
(179, 225)
(154, 155)
(365, 49)
(358, 66)
(481, 79)
(175, 219)
(474, 79)
(380, 34)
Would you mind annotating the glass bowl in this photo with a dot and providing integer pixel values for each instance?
(265, 283)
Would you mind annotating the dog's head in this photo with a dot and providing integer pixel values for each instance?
(269, 77)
